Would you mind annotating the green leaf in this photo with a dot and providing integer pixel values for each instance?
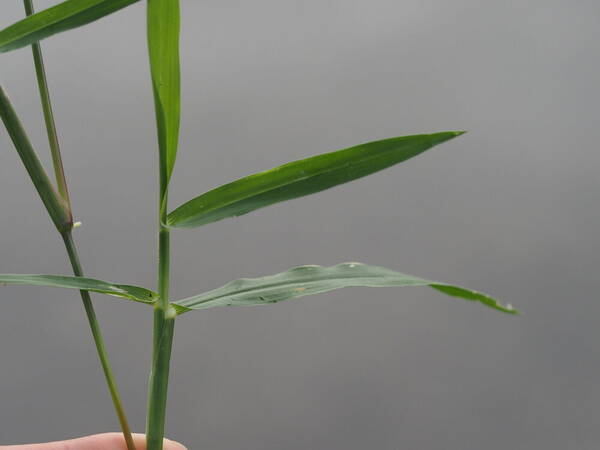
(56, 205)
(138, 294)
(62, 17)
(300, 178)
(163, 45)
(307, 280)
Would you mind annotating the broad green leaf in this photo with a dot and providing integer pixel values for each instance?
(62, 17)
(300, 178)
(54, 203)
(163, 45)
(135, 293)
(307, 280)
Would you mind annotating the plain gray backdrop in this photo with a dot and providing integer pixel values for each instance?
(511, 208)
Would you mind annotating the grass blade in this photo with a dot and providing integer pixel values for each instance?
(300, 178)
(163, 47)
(54, 203)
(62, 17)
(136, 293)
(308, 280)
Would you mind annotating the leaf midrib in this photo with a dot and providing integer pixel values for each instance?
(283, 184)
(282, 283)
(56, 19)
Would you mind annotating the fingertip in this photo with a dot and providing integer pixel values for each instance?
(168, 444)
(173, 445)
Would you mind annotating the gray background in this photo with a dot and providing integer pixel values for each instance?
(510, 208)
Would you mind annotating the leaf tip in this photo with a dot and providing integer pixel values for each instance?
(444, 136)
(510, 309)
(507, 308)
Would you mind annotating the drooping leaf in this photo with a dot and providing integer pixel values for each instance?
(300, 178)
(307, 280)
(62, 17)
(136, 293)
(57, 207)
(163, 45)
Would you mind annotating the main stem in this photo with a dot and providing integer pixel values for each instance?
(164, 322)
(99, 341)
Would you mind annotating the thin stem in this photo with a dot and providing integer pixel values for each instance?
(99, 341)
(48, 115)
(61, 217)
(65, 230)
(164, 323)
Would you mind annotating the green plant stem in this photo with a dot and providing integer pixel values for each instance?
(159, 380)
(66, 233)
(164, 323)
(62, 219)
(99, 341)
(40, 71)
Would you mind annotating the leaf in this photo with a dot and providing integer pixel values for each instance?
(300, 178)
(54, 203)
(62, 17)
(307, 280)
(138, 294)
(163, 45)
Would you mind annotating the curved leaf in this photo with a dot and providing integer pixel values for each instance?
(136, 293)
(62, 17)
(307, 280)
(300, 178)
(163, 45)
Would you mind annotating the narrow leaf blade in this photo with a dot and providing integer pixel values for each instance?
(57, 207)
(62, 17)
(300, 178)
(163, 46)
(136, 293)
(308, 280)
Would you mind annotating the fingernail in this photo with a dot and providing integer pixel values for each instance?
(174, 445)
